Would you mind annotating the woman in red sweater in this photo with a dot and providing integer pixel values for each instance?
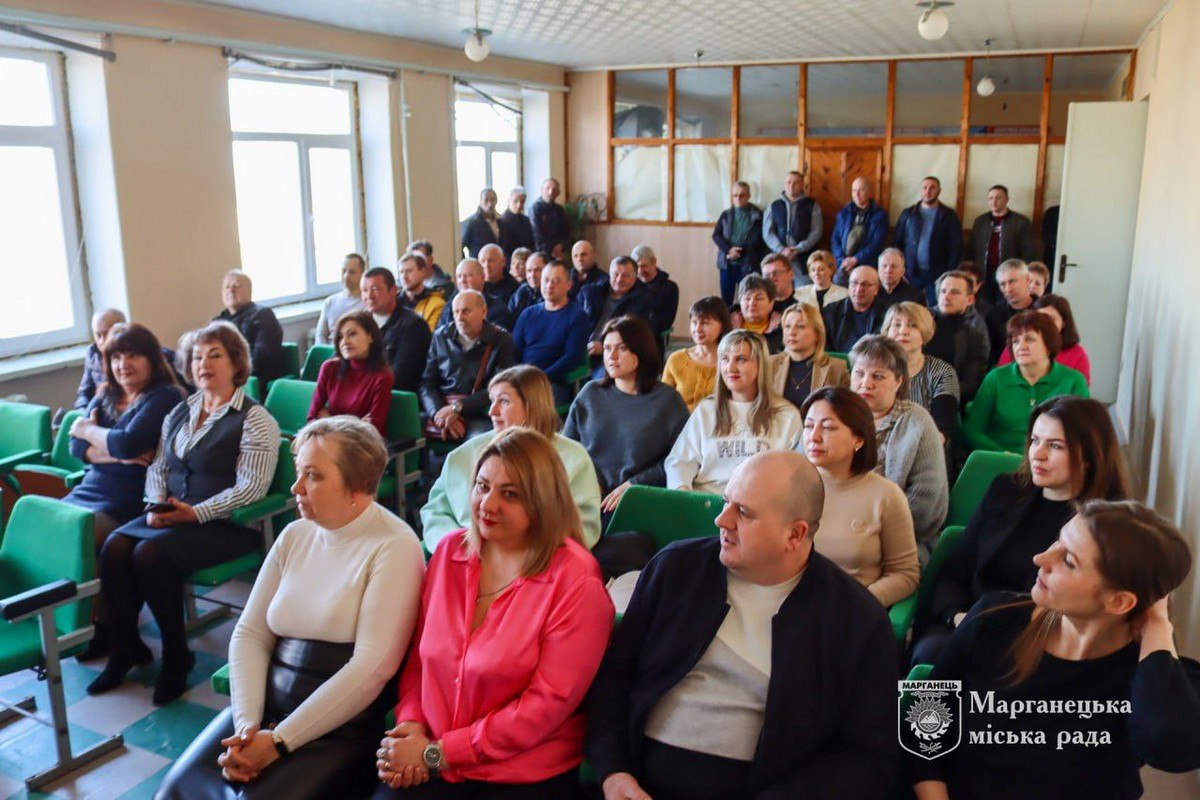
(514, 622)
(357, 382)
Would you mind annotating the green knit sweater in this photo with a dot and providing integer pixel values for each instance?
(998, 418)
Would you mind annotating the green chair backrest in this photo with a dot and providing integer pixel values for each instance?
(60, 453)
(253, 388)
(48, 540)
(291, 358)
(317, 355)
(285, 470)
(920, 672)
(981, 468)
(667, 514)
(404, 422)
(23, 427)
(842, 356)
(941, 551)
(288, 401)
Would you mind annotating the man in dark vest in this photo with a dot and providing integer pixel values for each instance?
(793, 225)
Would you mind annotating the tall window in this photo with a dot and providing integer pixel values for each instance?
(42, 303)
(297, 174)
(487, 152)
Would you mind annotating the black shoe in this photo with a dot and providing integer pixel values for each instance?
(100, 645)
(113, 675)
(172, 681)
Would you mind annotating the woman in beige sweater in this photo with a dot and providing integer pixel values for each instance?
(866, 527)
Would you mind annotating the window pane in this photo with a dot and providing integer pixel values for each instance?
(504, 175)
(25, 93)
(701, 182)
(640, 104)
(1016, 106)
(31, 233)
(275, 107)
(847, 99)
(702, 102)
(483, 122)
(763, 167)
(639, 182)
(768, 101)
(472, 177)
(334, 223)
(1079, 79)
(928, 98)
(1013, 165)
(270, 217)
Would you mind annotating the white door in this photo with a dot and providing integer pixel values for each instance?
(1102, 176)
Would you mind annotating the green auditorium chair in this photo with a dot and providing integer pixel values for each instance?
(317, 355)
(287, 401)
(253, 389)
(291, 358)
(61, 473)
(666, 514)
(47, 572)
(405, 439)
(24, 439)
(980, 469)
(916, 605)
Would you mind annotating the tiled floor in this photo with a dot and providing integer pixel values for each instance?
(154, 737)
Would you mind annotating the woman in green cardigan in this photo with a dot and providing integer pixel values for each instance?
(520, 396)
(999, 415)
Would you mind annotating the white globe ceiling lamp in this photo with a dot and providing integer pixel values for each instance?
(986, 87)
(934, 23)
(477, 46)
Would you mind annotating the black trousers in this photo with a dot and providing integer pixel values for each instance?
(672, 773)
(561, 787)
(339, 764)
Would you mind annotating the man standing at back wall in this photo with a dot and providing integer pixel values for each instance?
(930, 236)
(793, 225)
(550, 230)
(998, 235)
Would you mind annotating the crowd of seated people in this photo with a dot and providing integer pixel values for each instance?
(827, 421)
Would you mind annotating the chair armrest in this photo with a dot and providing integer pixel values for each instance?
(901, 615)
(74, 478)
(399, 447)
(268, 506)
(35, 600)
(26, 457)
(220, 680)
(578, 374)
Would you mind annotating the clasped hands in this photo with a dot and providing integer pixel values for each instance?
(400, 759)
(450, 422)
(247, 754)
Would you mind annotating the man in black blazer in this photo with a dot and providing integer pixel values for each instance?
(859, 315)
(406, 336)
(747, 664)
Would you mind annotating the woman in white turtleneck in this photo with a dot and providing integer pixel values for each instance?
(324, 630)
(742, 417)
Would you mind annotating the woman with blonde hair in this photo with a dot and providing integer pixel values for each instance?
(742, 417)
(325, 628)
(932, 383)
(823, 291)
(803, 366)
(514, 622)
(520, 395)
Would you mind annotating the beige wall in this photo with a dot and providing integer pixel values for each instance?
(1159, 394)
(587, 134)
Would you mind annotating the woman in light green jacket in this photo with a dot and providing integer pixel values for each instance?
(520, 396)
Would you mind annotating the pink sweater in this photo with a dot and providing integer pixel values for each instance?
(504, 699)
(1074, 357)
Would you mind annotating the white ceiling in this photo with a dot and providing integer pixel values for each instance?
(593, 33)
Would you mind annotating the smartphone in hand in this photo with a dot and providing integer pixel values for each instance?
(153, 507)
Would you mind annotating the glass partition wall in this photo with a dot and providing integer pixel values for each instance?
(680, 137)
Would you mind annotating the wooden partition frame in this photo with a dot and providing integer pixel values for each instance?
(964, 139)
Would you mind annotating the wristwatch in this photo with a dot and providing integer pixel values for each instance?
(457, 408)
(280, 746)
(433, 757)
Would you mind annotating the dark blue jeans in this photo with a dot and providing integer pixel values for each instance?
(731, 276)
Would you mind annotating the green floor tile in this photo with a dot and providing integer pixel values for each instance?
(27, 747)
(169, 730)
(76, 678)
(146, 789)
(25, 794)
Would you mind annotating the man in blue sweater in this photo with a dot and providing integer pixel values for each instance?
(552, 335)
(747, 664)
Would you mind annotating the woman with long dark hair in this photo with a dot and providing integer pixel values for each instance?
(1071, 456)
(357, 381)
(1069, 691)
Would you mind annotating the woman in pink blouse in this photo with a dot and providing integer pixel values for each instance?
(1072, 355)
(514, 623)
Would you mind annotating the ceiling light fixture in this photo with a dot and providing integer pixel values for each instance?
(477, 46)
(986, 86)
(934, 23)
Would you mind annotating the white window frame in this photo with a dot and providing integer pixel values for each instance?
(304, 142)
(492, 147)
(56, 137)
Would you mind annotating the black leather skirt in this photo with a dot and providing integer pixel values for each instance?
(339, 764)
